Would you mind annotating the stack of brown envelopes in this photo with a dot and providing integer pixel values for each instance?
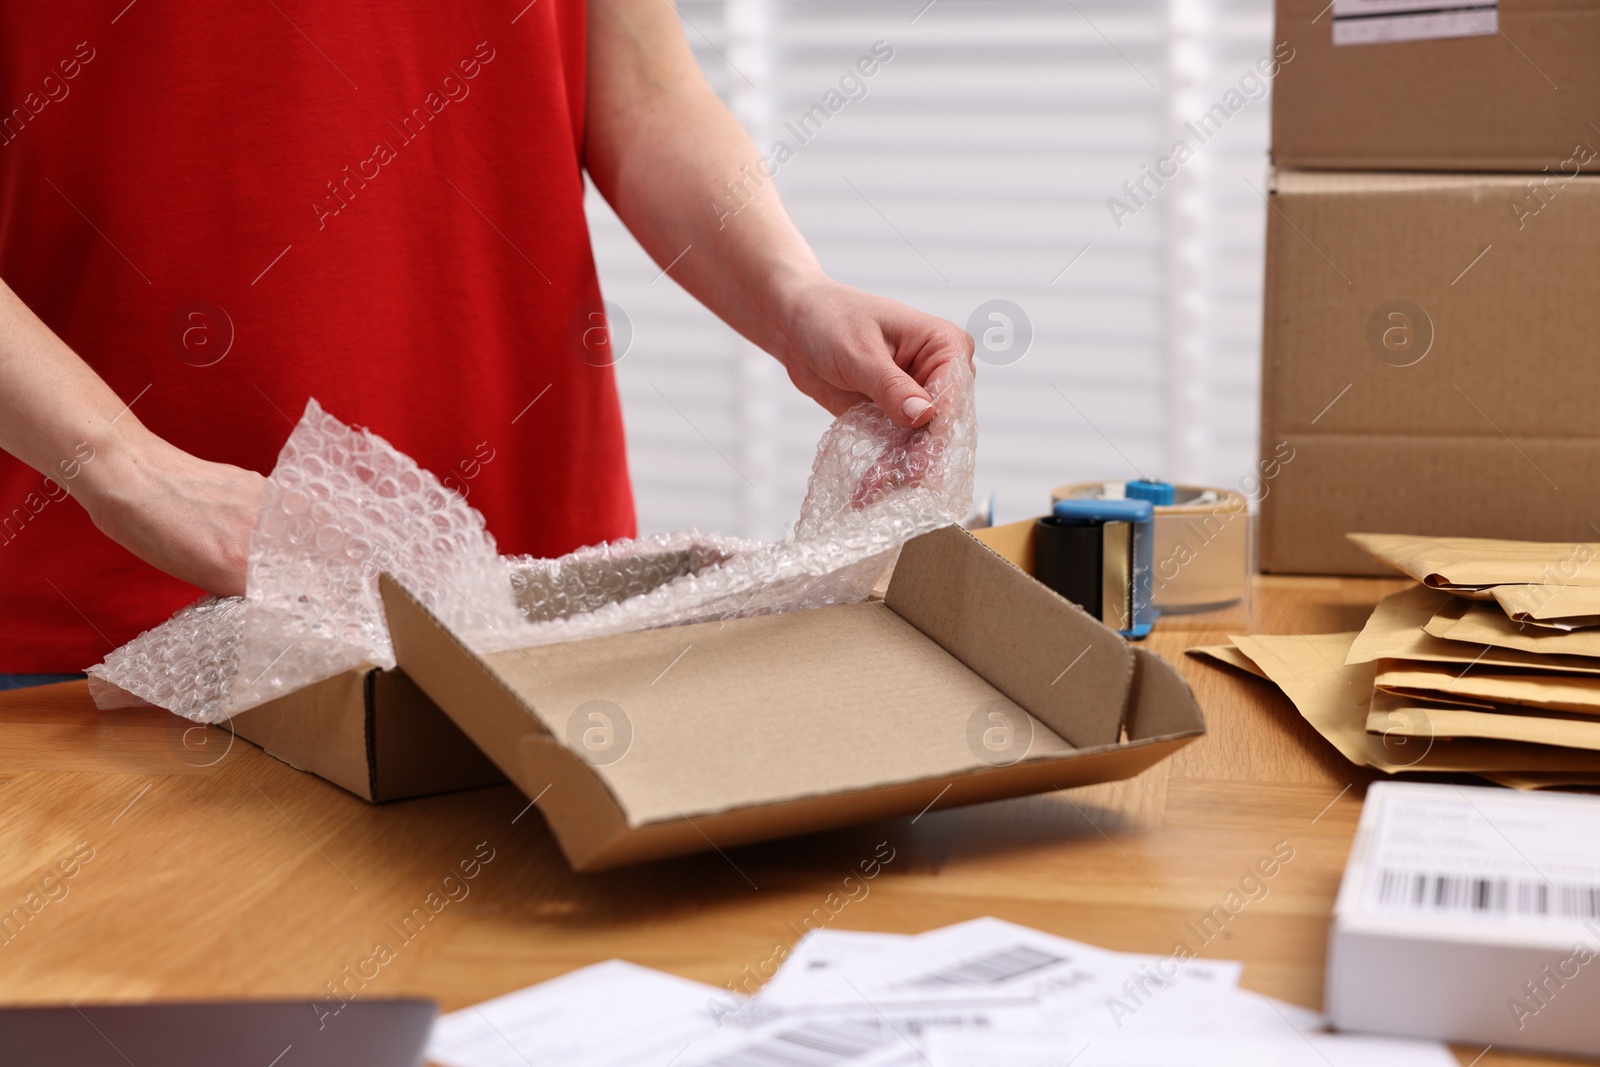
(1490, 667)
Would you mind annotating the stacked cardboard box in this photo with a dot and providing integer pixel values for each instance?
(1432, 283)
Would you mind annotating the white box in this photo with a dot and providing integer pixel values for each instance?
(1471, 915)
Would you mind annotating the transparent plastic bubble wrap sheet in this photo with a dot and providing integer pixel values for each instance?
(343, 505)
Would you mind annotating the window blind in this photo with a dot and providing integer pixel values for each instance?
(983, 162)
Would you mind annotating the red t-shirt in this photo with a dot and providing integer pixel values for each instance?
(229, 208)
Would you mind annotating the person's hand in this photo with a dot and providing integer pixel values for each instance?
(847, 347)
(186, 516)
(843, 346)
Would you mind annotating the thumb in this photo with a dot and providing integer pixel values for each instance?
(898, 394)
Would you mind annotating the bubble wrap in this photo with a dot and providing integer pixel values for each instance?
(342, 506)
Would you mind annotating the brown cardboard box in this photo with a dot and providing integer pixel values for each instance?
(372, 732)
(1429, 363)
(969, 681)
(1521, 99)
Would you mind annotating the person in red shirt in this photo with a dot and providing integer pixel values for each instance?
(211, 213)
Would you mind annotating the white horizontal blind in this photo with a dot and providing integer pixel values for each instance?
(1236, 41)
(977, 167)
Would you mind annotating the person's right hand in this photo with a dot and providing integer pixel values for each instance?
(914, 454)
(181, 514)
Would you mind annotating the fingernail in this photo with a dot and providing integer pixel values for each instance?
(914, 407)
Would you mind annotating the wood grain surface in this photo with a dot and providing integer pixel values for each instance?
(218, 871)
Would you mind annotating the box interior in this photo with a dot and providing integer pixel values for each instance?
(767, 709)
(756, 727)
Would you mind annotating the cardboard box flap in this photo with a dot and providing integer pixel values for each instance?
(1036, 647)
(1161, 704)
(688, 721)
(594, 836)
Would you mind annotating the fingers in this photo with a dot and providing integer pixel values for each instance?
(837, 401)
(899, 395)
(937, 362)
(851, 345)
(948, 382)
(926, 352)
(869, 375)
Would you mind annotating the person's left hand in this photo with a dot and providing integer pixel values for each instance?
(843, 346)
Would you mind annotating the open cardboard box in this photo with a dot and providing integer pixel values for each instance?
(374, 733)
(681, 739)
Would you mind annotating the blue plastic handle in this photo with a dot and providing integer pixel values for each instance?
(1093, 511)
(1151, 489)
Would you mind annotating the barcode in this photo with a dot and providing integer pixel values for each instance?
(810, 1044)
(993, 968)
(1469, 895)
(919, 1025)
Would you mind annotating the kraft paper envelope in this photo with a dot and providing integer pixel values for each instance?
(1565, 626)
(1433, 696)
(1329, 695)
(1579, 694)
(1485, 624)
(1336, 699)
(1578, 604)
(1398, 715)
(1229, 655)
(1449, 562)
(1395, 631)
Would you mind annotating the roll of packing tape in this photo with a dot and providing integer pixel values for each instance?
(1201, 555)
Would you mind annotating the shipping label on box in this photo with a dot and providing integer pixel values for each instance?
(1482, 858)
(1471, 914)
(1377, 21)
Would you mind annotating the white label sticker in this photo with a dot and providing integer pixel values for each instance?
(1380, 21)
(1464, 854)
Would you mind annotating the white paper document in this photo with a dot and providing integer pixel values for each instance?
(613, 1014)
(974, 994)
(996, 962)
(1210, 1050)
(812, 966)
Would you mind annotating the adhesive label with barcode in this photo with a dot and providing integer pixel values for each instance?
(1381, 21)
(1469, 854)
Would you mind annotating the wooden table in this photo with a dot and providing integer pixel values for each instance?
(219, 871)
